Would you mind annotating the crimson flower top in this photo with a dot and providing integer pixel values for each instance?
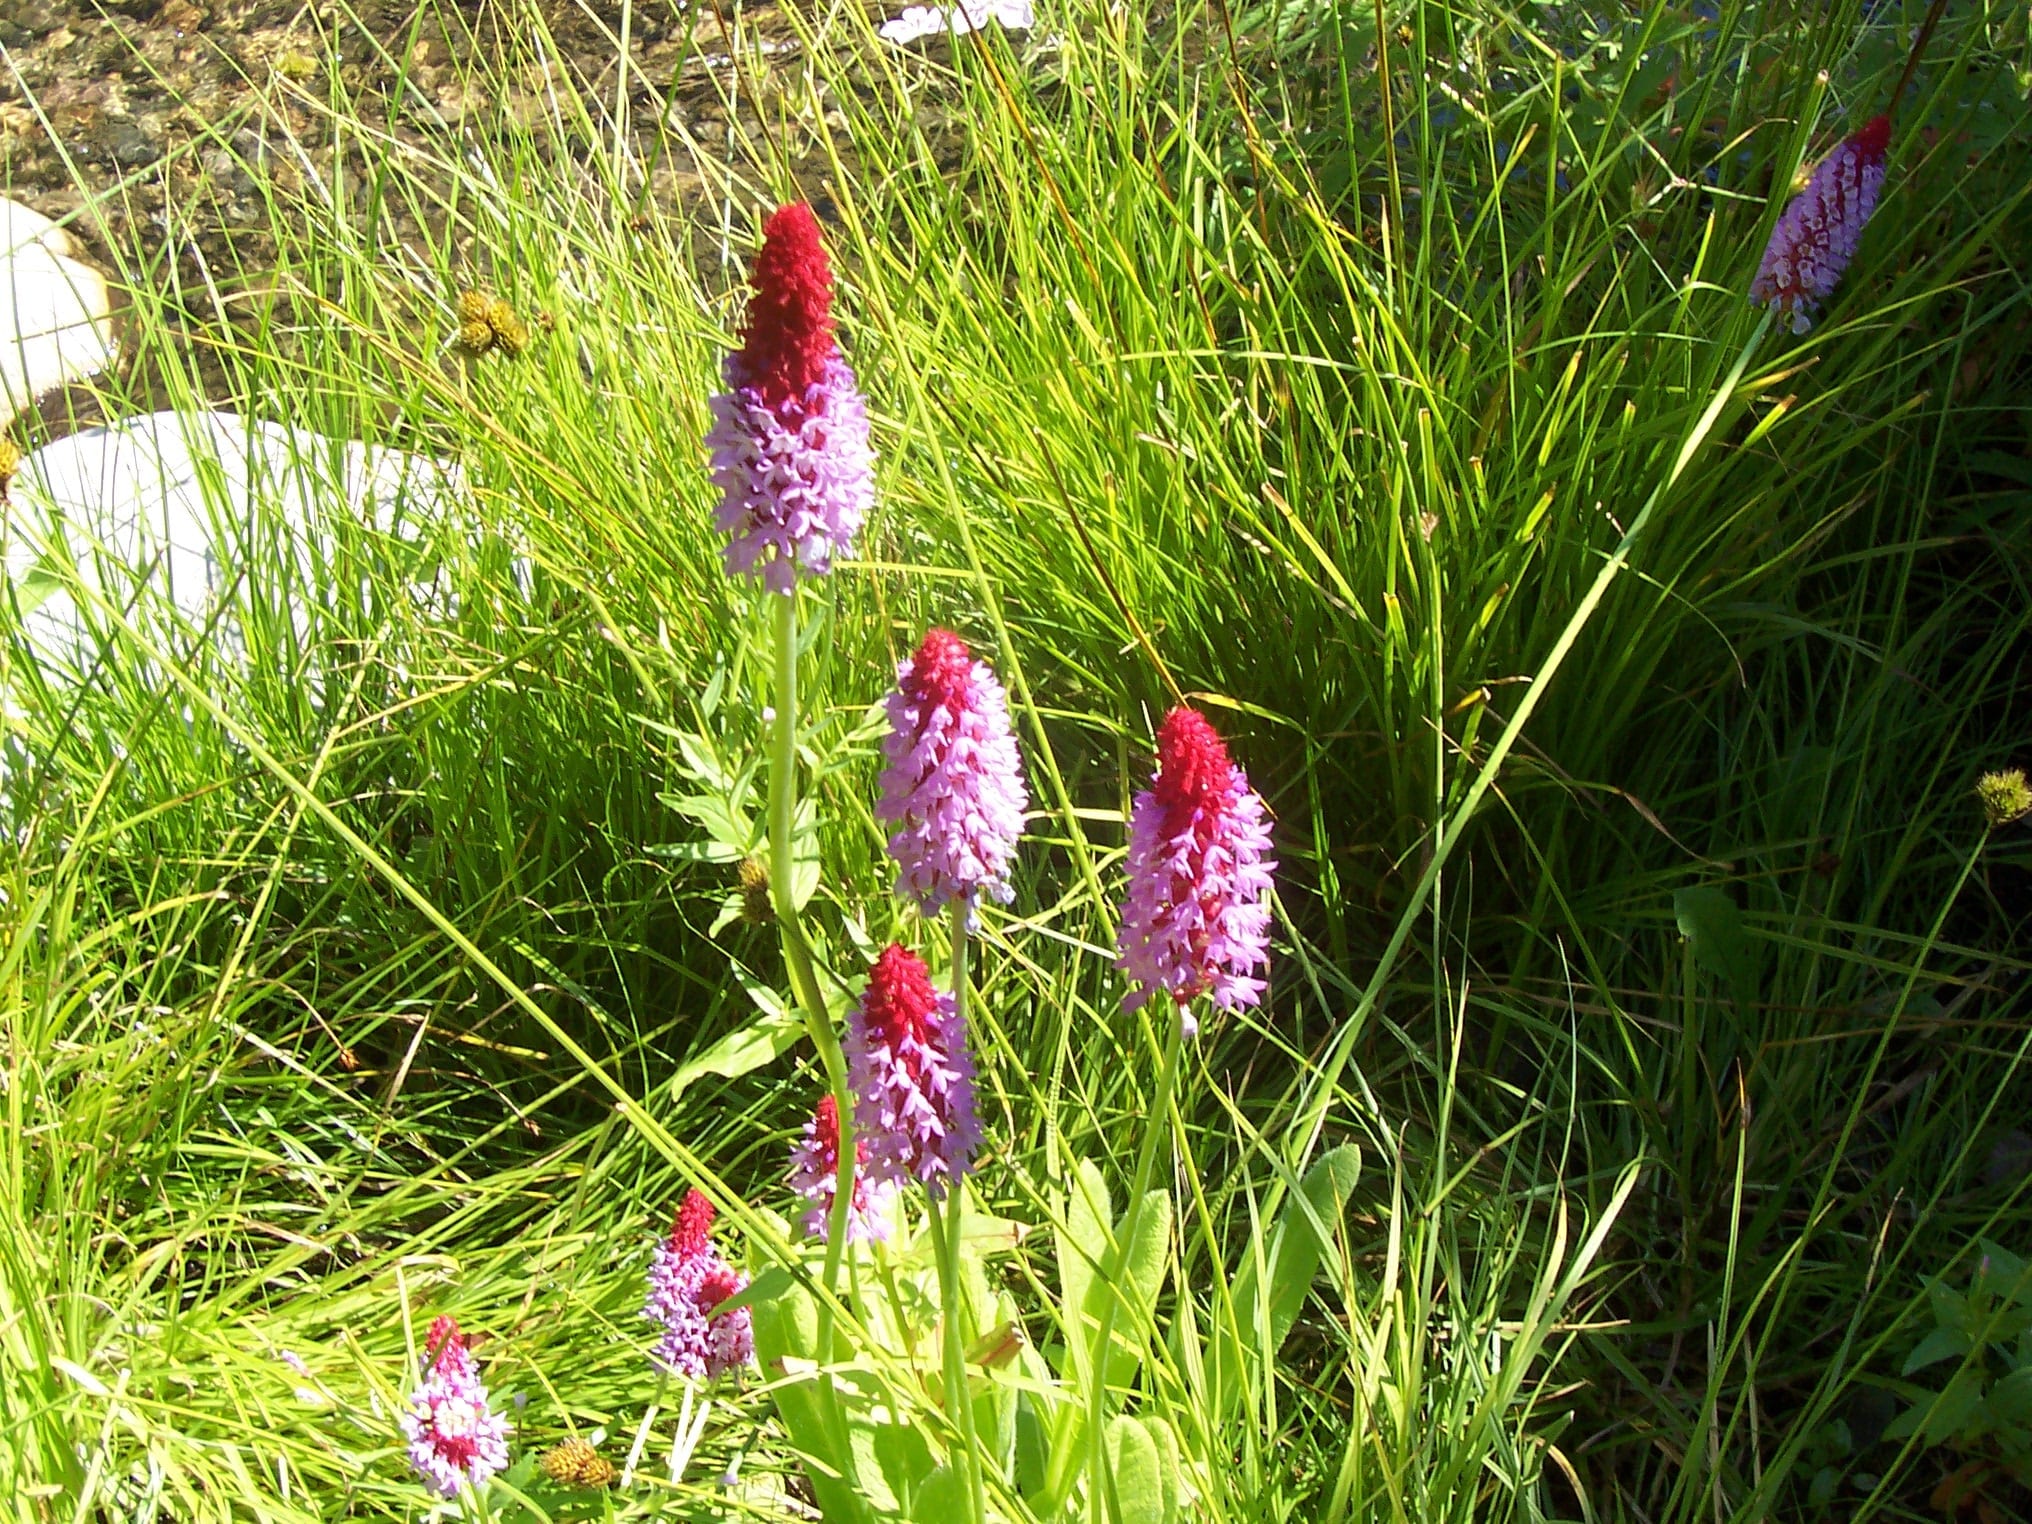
(444, 1347)
(789, 332)
(691, 1231)
(900, 1004)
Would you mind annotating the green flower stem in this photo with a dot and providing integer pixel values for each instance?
(952, 1290)
(797, 954)
(959, 1405)
(1157, 1124)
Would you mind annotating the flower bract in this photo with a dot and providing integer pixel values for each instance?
(954, 784)
(912, 1077)
(1816, 238)
(1197, 917)
(455, 1438)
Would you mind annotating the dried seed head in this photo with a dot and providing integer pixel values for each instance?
(10, 462)
(2005, 796)
(756, 905)
(475, 338)
(574, 1463)
(509, 331)
(473, 306)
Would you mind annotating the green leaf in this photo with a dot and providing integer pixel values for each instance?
(804, 876)
(1135, 1474)
(1033, 1447)
(941, 1499)
(694, 852)
(2011, 1399)
(1137, 1284)
(804, 854)
(1713, 927)
(1950, 1307)
(1307, 1235)
(1821, 1492)
(2005, 1271)
(741, 1052)
(785, 1321)
(1082, 1242)
(1148, 1254)
(1954, 1409)
(732, 908)
(715, 689)
(1941, 1344)
(726, 825)
(1082, 1250)
(903, 1457)
(33, 588)
(699, 760)
(987, 1234)
(1270, 1286)
(1169, 1466)
(1906, 1424)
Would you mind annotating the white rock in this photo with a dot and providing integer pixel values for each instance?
(54, 312)
(969, 15)
(168, 516)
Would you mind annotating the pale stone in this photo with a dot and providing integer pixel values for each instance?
(196, 522)
(55, 323)
(918, 21)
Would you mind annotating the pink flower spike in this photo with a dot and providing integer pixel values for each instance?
(912, 1077)
(815, 1175)
(789, 438)
(1197, 916)
(455, 1438)
(687, 1281)
(954, 784)
(1816, 238)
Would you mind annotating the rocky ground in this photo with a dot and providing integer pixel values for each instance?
(114, 97)
(148, 126)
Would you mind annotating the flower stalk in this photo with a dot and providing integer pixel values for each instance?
(797, 952)
(946, 1240)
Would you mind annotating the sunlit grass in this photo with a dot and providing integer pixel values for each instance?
(1322, 395)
